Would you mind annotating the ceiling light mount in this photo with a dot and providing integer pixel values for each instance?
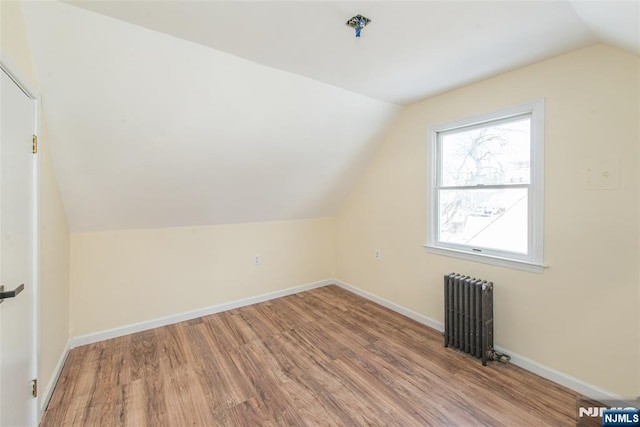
(358, 22)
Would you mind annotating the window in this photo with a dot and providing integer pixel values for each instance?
(486, 188)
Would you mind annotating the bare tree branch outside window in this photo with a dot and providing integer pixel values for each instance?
(483, 178)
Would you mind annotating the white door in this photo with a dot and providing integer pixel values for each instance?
(17, 406)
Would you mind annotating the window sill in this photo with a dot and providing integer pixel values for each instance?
(488, 259)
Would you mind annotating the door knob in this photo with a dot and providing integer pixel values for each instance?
(10, 294)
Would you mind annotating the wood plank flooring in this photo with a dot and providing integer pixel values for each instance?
(324, 357)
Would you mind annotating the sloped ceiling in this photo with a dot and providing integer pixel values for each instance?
(614, 22)
(149, 130)
(177, 113)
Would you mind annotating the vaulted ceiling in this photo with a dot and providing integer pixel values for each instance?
(180, 113)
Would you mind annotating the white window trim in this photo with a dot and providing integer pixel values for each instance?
(533, 261)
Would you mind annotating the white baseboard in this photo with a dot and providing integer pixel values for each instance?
(551, 374)
(51, 384)
(181, 317)
(420, 318)
(589, 390)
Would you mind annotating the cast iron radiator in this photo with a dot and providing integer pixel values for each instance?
(468, 315)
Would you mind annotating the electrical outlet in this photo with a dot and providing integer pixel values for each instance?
(376, 254)
(257, 259)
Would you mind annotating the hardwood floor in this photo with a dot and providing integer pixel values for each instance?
(323, 357)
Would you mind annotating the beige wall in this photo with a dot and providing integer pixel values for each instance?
(581, 315)
(54, 233)
(13, 39)
(54, 267)
(123, 277)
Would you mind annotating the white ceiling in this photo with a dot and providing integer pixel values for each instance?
(411, 50)
(178, 113)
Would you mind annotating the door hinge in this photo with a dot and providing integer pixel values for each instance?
(35, 144)
(34, 387)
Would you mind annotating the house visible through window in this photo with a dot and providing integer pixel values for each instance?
(486, 187)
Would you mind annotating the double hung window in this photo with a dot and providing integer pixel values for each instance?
(486, 188)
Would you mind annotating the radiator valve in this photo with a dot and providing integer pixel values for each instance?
(499, 357)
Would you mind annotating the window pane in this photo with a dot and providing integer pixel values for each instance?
(493, 154)
(495, 219)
